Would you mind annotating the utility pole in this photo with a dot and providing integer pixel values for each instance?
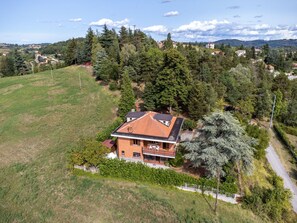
(273, 107)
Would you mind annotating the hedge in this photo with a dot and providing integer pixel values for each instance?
(140, 172)
(284, 139)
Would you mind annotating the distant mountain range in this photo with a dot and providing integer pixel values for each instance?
(259, 43)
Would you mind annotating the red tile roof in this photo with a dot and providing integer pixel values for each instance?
(147, 125)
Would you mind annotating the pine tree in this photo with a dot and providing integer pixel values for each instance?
(102, 65)
(71, 52)
(127, 101)
(21, 67)
(124, 36)
(87, 47)
(149, 97)
(168, 44)
(173, 82)
(221, 141)
(96, 46)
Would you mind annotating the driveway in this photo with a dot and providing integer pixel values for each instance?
(279, 169)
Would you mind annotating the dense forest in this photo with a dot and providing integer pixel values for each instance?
(185, 78)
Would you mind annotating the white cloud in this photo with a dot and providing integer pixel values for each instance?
(222, 29)
(111, 23)
(156, 29)
(201, 25)
(171, 13)
(75, 20)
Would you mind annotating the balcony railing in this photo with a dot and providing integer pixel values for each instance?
(159, 152)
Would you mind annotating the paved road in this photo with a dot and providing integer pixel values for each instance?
(277, 166)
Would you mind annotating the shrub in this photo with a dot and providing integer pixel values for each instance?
(113, 86)
(88, 152)
(269, 203)
(189, 124)
(105, 133)
(289, 129)
(178, 160)
(263, 140)
(284, 139)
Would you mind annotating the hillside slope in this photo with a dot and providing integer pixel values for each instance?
(40, 118)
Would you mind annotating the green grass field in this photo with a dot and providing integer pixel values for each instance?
(40, 118)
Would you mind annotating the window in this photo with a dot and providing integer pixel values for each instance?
(165, 145)
(136, 155)
(123, 153)
(135, 142)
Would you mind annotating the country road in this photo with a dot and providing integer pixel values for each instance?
(279, 169)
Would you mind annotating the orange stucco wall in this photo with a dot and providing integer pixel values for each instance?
(126, 145)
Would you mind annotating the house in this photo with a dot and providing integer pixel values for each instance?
(240, 53)
(148, 137)
(210, 46)
(217, 52)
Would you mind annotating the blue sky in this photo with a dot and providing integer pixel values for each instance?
(32, 21)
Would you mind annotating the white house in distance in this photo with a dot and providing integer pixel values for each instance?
(240, 53)
(210, 46)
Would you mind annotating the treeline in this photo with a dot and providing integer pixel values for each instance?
(186, 78)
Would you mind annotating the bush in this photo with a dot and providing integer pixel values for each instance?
(105, 134)
(89, 152)
(284, 139)
(189, 124)
(177, 161)
(289, 129)
(140, 172)
(113, 86)
(270, 203)
(263, 140)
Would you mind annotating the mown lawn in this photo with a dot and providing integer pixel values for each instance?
(40, 119)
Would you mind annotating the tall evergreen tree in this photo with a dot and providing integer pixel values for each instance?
(87, 47)
(127, 101)
(7, 66)
(173, 82)
(221, 141)
(71, 52)
(20, 65)
(168, 44)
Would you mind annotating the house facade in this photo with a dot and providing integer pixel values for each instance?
(148, 136)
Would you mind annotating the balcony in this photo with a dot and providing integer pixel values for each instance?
(158, 152)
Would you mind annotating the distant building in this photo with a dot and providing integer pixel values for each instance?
(258, 51)
(270, 68)
(210, 46)
(217, 52)
(240, 53)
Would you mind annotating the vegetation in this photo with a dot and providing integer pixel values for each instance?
(262, 140)
(271, 204)
(189, 124)
(221, 141)
(284, 139)
(127, 101)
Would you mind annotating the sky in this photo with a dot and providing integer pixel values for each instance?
(32, 21)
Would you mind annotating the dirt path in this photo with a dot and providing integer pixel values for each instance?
(279, 169)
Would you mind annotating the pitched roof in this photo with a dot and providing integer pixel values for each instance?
(147, 126)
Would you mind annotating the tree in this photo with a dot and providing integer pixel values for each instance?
(149, 97)
(173, 82)
(96, 46)
(221, 141)
(124, 36)
(7, 66)
(87, 47)
(291, 118)
(202, 98)
(71, 52)
(168, 44)
(20, 66)
(127, 101)
(102, 67)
